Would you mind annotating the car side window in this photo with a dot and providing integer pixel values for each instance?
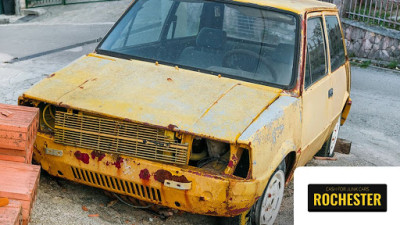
(336, 46)
(316, 67)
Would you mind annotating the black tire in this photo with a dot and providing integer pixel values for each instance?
(326, 151)
(250, 217)
(242, 219)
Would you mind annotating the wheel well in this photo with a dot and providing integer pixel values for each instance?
(290, 160)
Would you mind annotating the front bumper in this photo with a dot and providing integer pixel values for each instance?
(193, 190)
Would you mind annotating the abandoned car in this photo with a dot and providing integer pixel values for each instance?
(201, 106)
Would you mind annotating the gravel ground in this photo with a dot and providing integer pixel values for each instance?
(60, 202)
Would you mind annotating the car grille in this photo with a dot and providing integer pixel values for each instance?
(117, 185)
(114, 136)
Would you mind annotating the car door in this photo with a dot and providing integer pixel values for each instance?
(338, 63)
(316, 97)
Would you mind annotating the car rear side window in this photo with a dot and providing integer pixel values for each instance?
(316, 67)
(336, 46)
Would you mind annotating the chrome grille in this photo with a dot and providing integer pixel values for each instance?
(113, 136)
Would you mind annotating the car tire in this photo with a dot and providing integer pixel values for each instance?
(328, 147)
(267, 207)
(255, 214)
(242, 219)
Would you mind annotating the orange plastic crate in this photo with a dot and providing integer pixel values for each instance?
(19, 181)
(18, 129)
(11, 214)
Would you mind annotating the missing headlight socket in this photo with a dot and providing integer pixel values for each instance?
(219, 157)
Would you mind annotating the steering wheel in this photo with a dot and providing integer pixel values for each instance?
(234, 59)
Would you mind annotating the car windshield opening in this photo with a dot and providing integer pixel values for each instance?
(254, 44)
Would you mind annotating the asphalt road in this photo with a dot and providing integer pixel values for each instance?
(374, 122)
(37, 38)
(373, 126)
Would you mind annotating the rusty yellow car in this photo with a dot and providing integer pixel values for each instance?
(201, 106)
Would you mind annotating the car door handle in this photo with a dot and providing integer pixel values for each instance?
(330, 93)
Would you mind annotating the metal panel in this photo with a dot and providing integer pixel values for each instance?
(113, 136)
(117, 185)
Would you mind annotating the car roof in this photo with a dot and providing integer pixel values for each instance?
(296, 6)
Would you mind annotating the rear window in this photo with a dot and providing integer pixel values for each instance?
(336, 45)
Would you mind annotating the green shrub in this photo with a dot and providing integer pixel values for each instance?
(392, 65)
(365, 64)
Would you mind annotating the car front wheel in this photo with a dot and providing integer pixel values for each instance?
(266, 209)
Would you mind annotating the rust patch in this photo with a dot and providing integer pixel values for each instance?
(205, 175)
(187, 199)
(127, 120)
(52, 75)
(237, 211)
(234, 157)
(169, 79)
(144, 174)
(172, 127)
(162, 175)
(211, 212)
(82, 157)
(93, 154)
(118, 162)
(100, 156)
(64, 105)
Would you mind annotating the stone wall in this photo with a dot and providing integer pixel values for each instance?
(370, 42)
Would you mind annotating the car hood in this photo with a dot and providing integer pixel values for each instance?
(144, 92)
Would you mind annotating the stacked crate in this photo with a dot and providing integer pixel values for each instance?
(19, 179)
(11, 214)
(18, 128)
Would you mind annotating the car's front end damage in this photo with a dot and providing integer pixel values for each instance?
(182, 187)
(113, 141)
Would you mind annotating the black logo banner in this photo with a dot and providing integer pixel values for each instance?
(347, 197)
